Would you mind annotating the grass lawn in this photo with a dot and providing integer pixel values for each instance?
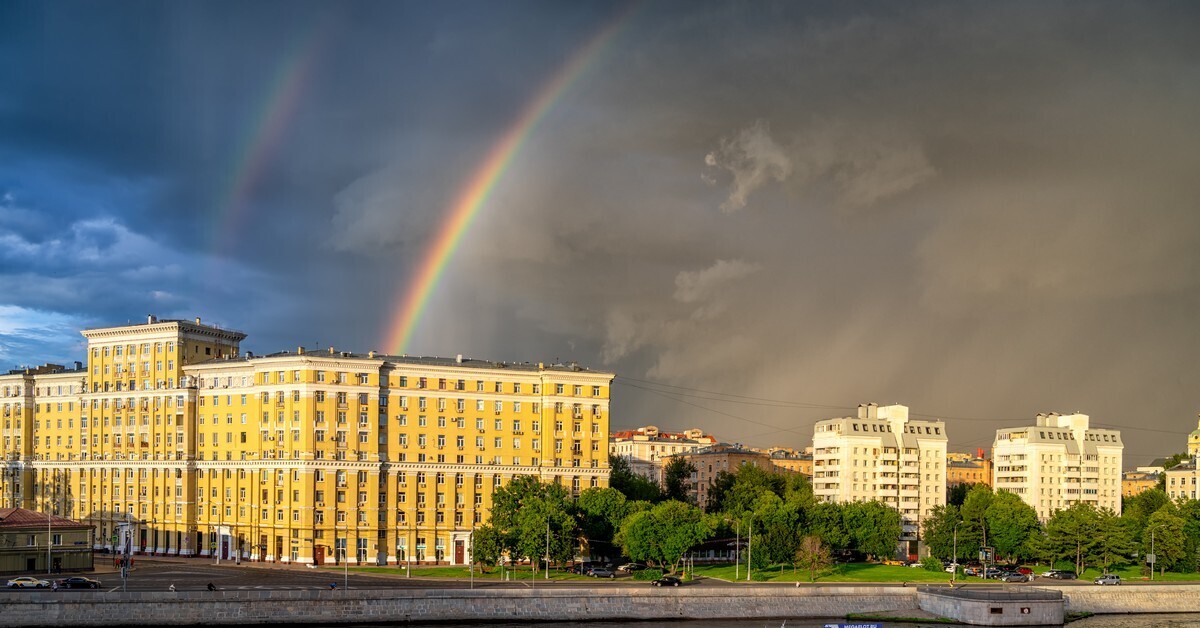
(461, 572)
(847, 572)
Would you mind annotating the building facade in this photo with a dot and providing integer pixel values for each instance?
(1060, 461)
(883, 455)
(1182, 480)
(722, 457)
(174, 435)
(43, 543)
(964, 469)
(647, 448)
(1194, 442)
(1137, 482)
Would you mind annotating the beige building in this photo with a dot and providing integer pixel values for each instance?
(42, 543)
(173, 435)
(647, 448)
(883, 455)
(1058, 462)
(1182, 481)
(1136, 482)
(711, 461)
(964, 469)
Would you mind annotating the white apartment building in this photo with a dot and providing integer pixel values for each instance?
(1181, 481)
(883, 455)
(647, 448)
(1058, 462)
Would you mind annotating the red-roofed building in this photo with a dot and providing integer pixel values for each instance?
(23, 543)
(647, 448)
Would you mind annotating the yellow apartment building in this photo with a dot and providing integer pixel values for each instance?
(174, 439)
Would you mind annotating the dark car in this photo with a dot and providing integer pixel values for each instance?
(79, 582)
(579, 569)
(667, 581)
(631, 567)
(601, 572)
(1061, 574)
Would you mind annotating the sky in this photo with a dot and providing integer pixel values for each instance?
(757, 215)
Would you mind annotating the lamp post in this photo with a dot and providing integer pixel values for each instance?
(750, 548)
(954, 558)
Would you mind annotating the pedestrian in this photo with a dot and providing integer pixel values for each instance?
(332, 586)
(171, 588)
(54, 586)
(211, 587)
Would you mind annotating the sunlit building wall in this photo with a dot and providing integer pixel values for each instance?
(1058, 462)
(173, 438)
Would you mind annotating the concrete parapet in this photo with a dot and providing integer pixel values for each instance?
(995, 606)
(90, 608)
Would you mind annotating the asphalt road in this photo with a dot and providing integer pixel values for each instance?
(191, 575)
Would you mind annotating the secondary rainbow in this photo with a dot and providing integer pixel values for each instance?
(267, 127)
(473, 196)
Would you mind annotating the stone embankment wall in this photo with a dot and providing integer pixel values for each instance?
(88, 608)
(96, 608)
(1133, 598)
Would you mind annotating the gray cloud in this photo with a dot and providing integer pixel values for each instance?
(983, 210)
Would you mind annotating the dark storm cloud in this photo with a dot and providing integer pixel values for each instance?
(982, 210)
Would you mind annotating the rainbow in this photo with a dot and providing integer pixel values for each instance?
(479, 186)
(253, 155)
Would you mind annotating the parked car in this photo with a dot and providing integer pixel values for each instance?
(27, 582)
(950, 567)
(992, 572)
(1062, 574)
(601, 572)
(893, 562)
(579, 568)
(1108, 578)
(79, 582)
(1014, 576)
(630, 567)
(1025, 570)
(973, 571)
(667, 581)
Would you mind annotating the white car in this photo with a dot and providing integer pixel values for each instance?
(952, 567)
(1108, 578)
(28, 582)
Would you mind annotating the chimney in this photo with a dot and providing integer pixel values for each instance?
(458, 359)
(979, 453)
(151, 319)
(330, 350)
(78, 365)
(197, 320)
(371, 353)
(299, 350)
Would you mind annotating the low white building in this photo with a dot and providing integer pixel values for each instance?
(1058, 462)
(883, 455)
(1181, 480)
(647, 448)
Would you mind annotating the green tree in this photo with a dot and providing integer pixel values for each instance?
(1010, 524)
(825, 520)
(973, 532)
(600, 512)
(737, 492)
(1138, 508)
(677, 479)
(1070, 533)
(1163, 535)
(812, 554)
(778, 529)
(663, 534)
(1189, 511)
(874, 527)
(633, 486)
(1115, 541)
(937, 530)
(521, 512)
(487, 546)
(958, 493)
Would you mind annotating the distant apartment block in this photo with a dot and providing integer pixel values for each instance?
(647, 448)
(1058, 462)
(711, 461)
(1136, 482)
(1181, 480)
(883, 455)
(791, 461)
(965, 469)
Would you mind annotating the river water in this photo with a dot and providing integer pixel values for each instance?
(1188, 620)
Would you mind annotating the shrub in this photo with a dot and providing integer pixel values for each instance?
(931, 564)
(760, 576)
(647, 574)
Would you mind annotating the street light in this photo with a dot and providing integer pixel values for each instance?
(954, 558)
